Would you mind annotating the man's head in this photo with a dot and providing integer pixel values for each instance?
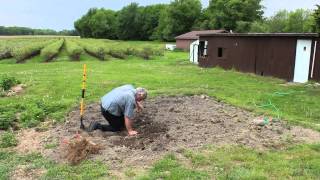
(141, 94)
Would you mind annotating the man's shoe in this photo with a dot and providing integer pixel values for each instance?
(93, 126)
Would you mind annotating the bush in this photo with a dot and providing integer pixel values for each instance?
(145, 53)
(94, 51)
(6, 82)
(8, 139)
(158, 52)
(29, 50)
(130, 51)
(5, 53)
(117, 53)
(73, 50)
(52, 50)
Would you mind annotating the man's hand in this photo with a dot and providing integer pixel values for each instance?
(139, 106)
(132, 133)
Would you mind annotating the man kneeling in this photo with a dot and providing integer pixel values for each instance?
(117, 107)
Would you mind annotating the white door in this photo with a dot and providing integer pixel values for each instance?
(303, 54)
(194, 52)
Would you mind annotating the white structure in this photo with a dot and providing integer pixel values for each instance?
(171, 47)
(194, 52)
(302, 65)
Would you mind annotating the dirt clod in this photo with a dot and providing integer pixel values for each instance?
(79, 148)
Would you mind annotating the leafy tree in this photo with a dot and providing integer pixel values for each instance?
(278, 22)
(203, 22)
(129, 22)
(97, 23)
(229, 14)
(9, 31)
(299, 21)
(82, 24)
(259, 27)
(150, 20)
(178, 18)
(316, 16)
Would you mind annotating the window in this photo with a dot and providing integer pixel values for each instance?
(220, 52)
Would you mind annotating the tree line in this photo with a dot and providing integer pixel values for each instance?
(166, 21)
(10, 31)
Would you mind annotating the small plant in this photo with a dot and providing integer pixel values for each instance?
(8, 139)
(73, 49)
(146, 53)
(25, 52)
(7, 82)
(130, 51)
(117, 54)
(52, 50)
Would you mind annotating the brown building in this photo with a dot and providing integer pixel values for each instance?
(183, 41)
(293, 57)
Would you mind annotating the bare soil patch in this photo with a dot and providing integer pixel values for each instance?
(171, 124)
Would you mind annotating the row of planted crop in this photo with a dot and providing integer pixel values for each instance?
(23, 49)
(104, 49)
(47, 48)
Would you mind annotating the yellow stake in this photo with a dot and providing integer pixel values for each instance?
(84, 79)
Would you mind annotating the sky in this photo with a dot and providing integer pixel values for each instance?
(60, 14)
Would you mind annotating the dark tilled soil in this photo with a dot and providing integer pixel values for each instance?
(171, 124)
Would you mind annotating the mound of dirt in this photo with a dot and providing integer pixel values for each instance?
(171, 124)
(78, 148)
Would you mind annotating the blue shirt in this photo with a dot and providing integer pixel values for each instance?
(120, 101)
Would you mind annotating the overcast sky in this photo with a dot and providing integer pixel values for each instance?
(60, 14)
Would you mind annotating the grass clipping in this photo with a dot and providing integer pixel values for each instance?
(79, 148)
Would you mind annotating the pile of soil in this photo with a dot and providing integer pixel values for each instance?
(172, 124)
(79, 148)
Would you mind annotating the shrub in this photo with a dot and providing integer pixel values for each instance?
(145, 53)
(73, 50)
(95, 51)
(158, 52)
(5, 53)
(6, 82)
(32, 49)
(130, 51)
(116, 53)
(52, 50)
(8, 139)
(100, 52)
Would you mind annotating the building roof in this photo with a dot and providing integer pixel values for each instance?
(194, 35)
(262, 34)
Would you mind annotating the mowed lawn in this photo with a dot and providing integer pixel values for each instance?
(54, 88)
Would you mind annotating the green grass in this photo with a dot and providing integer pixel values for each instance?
(9, 161)
(234, 162)
(229, 162)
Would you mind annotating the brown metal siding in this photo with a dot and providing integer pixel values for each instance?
(184, 44)
(268, 56)
(316, 73)
(276, 57)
